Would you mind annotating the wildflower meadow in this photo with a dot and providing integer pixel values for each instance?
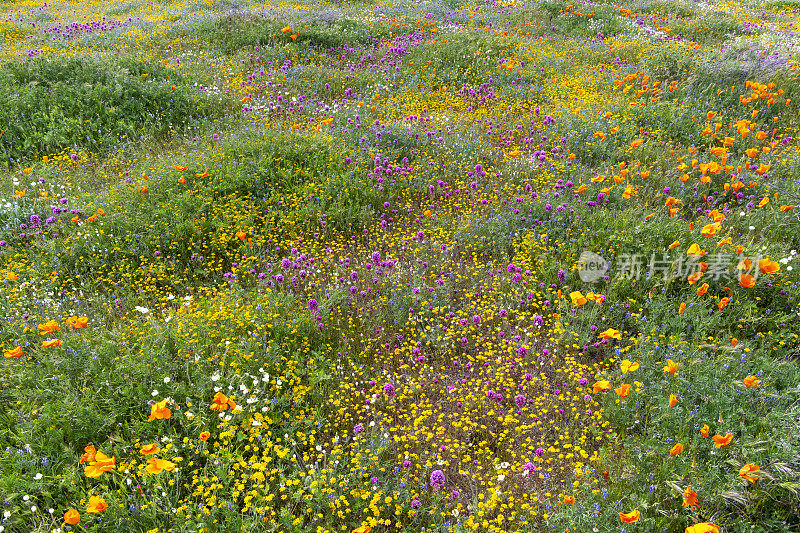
(399, 266)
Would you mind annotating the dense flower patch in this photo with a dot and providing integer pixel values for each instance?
(390, 267)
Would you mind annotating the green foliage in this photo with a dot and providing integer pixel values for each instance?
(322, 30)
(56, 104)
(664, 8)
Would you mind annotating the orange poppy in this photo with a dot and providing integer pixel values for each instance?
(747, 281)
(682, 308)
(720, 441)
(768, 266)
(704, 430)
(677, 449)
(16, 352)
(48, 327)
(96, 505)
(159, 410)
(51, 343)
(569, 500)
(723, 303)
(747, 469)
(695, 251)
(710, 229)
(72, 517)
(623, 390)
(156, 465)
(204, 436)
(629, 518)
(610, 333)
(671, 367)
(750, 381)
(577, 298)
(222, 402)
(149, 449)
(101, 463)
(601, 386)
(702, 289)
(673, 400)
(690, 498)
(89, 455)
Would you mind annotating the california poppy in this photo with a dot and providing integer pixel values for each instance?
(149, 449)
(159, 410)
(695, 251)
(747, 469)
(690, 498)
(747, 281)
(222, 402)
(768, 266)
(72, 517)
(577, 298)
(48, 327)
(96, 505)
(704, 430)
(750, 381)
(601, 385)
(682, 308)
(51, 343)
(673, 400)
(16, 352)
(723, 302)
(569, 500)
(100, 463)
(720, 441)
(626, 366)
(156, 465)
(204, 436)
(89, 454)
(671, 367)
(629, 518)
(702, 289)
(610, 333)
(710, 229)
(694, 278)
(677, 449)
(623, 390)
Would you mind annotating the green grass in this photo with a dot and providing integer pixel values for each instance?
(85, 104)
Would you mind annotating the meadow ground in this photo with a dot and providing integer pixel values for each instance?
(399, 266)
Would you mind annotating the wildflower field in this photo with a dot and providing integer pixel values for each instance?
(399, 265)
